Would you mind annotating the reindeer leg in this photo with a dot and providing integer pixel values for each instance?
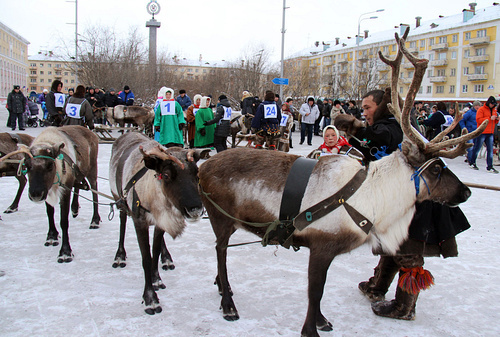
(167, 263)
(158, 243)
(150, 298)
(53, 234)
(96, 218)
(75, 206)
(121, 255)
(22, 183)
(319, 262)
(65, 254)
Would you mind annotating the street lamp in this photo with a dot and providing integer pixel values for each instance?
(371, 17)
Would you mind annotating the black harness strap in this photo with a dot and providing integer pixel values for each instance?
(135, 178)
(80, 177)
(331, 203)
(295, 186)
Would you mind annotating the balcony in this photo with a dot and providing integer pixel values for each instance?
(383, 67)
(479, 58)
(440, 46)
(413, 50)
(407, 80)
(407, 65)
(342, 71)
(479, 41)
(438, 63)
(363, 57)
(437, 79)
(477, 77)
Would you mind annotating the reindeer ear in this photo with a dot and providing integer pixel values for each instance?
(57, 149)
(152, 162)
(197, 154)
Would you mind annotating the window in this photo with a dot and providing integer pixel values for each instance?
(32, 64)
(452, 89)
(431, 41)
(442, 56)
(65, 81)
(431, 57)
(41, 72)
(422, 43)
(33, 80)
(401, 90)
(49, 80)
(410, 74)
(429, 89)
(41, 81)
(33, 72)
(49, 65)
(443, 39)
(466, 53)
(413, 44)
(466, 70)
(481, 33)
(481, 51)
(190, 70)
(453, 72)
(453, 55)
(441, 72)
(49, 72)
(196, 70)
(478, 88)
(421, 90)
(439, 89)
(393, 47)
(58, 65)
(454, 38)
(479, 69)
(72, 81)
(465, 88)
(41, 64)
(467, 37)
(429, 73)
(65, 73)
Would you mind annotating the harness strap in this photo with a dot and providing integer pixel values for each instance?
(331, 203)
(135, 178)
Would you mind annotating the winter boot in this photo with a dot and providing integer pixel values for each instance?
(376, 287)
(402, 307)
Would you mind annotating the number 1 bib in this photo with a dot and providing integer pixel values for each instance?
(168, 108)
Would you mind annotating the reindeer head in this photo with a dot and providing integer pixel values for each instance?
(441, 184)
(177, 172)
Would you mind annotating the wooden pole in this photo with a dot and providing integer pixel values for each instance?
(486, 187)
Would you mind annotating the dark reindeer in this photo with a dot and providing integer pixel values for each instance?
(58, 161)
(9, 143)
(136, 115)
(156, 187)
(224, 177)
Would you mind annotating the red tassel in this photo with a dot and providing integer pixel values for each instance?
(413, 280)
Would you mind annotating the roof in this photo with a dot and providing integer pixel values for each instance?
(490, 13)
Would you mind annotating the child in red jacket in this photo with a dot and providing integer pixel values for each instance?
(333, 141)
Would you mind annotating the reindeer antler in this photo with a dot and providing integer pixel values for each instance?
(21, 149)
(161, 153)
(435, 146)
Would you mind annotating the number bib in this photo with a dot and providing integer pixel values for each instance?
(195, 110)
(73, 110)
(270, 111)
(157, 103)
(167, 108)
(284, 119)
(227, 113)
(59, 100)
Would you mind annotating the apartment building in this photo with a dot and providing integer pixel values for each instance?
(45, 67)
(462, 50)
(13, 60)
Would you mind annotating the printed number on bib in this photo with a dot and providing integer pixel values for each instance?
(284, 119)
(168, 108)
(270, 111)
(73, 110)
(227, 113)
(59, 100)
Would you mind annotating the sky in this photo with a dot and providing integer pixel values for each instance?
(218, 29)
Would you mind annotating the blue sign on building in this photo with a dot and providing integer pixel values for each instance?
(280, 81)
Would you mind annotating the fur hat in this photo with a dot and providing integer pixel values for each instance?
(170, 90)
(205, 102)
(161, 92)
(196, 97)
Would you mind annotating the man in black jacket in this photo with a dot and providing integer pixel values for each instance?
(16, 103)
(223, 120)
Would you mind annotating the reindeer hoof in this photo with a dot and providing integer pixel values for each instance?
(325, 327)
(119, 263)
(159, 285)
(65, 258)
(94, 225)
(232, 315)
(168, 265)
(151, 310)
(51, 242)
(10, 210)
(74, 214)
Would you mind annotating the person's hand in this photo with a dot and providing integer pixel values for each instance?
(493, 117)
(205, 123)
(181, 126)
(203, 132)
(157, 128)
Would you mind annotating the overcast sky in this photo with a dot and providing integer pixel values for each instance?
(218, 29)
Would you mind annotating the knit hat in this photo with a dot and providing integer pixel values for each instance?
(17, 86)
(111, 89)
(126, 87)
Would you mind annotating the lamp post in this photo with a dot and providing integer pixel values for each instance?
(360, 19)
(282, 47)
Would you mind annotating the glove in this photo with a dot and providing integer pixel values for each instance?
(205, 123)
(181, 126)
(157, 128)
(203, 132)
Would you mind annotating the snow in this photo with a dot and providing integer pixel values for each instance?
(87, 297)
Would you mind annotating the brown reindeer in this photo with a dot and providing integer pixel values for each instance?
(136, 115)
(344, 204)
(9, 143)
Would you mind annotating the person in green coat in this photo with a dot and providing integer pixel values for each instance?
(204, 135)
(169, 120)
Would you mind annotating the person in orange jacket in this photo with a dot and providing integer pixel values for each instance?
(486, 112)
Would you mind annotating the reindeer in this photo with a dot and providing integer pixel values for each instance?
(9, 143)
(136, 115)
(156, 187)
(58, 161)
(344, 204)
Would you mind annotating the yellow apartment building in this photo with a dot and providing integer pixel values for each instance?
(13, 60)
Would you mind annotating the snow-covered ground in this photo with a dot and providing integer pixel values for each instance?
(87, 297)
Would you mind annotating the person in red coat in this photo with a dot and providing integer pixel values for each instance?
(333, 141)
(486, 112)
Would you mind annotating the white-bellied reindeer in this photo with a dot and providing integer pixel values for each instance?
(59, 160)
(344, 204)
(9, 143)
(156, 187)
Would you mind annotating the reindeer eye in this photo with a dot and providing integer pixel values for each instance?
(436, 169)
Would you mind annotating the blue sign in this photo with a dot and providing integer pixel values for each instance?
(280, 81)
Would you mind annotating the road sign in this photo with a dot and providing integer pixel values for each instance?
(280, 81)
